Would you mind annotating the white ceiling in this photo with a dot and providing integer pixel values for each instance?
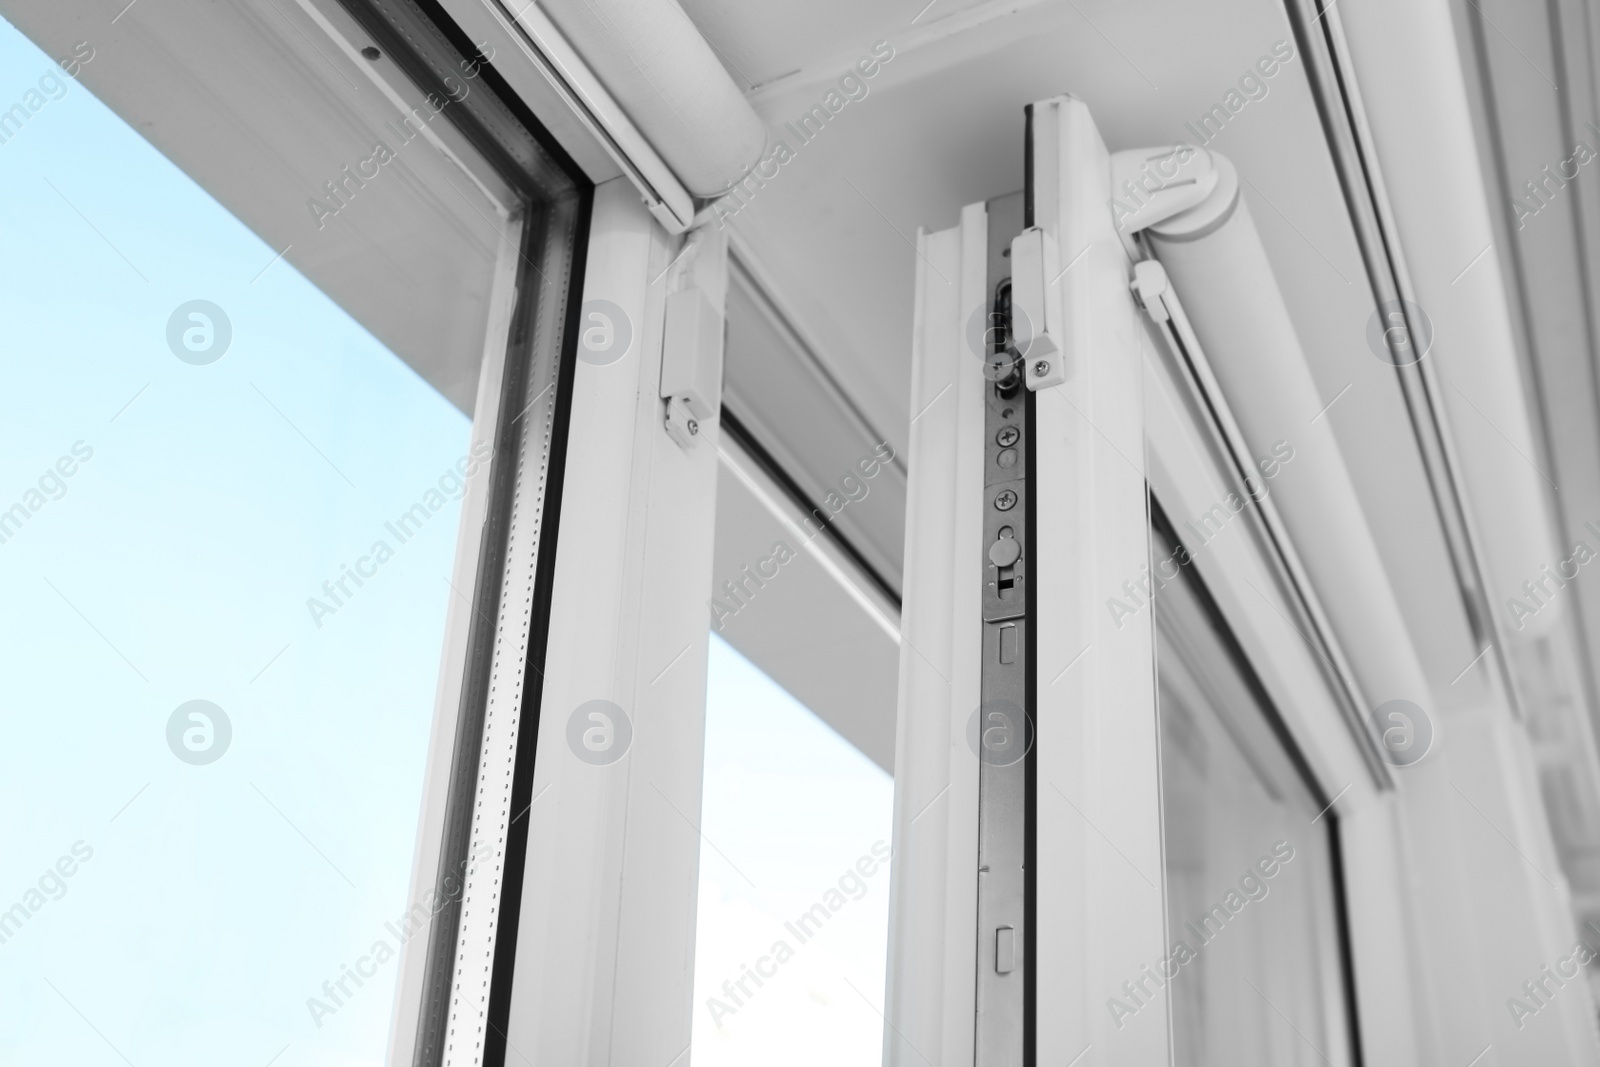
(764, 43)
(834, 233)
(942, 126)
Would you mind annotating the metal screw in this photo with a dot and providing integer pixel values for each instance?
(1007, 436)
(1006, 500)
(694, 427)
(1041, 368)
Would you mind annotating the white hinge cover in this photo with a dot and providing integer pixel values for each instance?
(1035, 307)
(691, 353)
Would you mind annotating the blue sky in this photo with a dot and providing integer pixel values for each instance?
(175, 566)
(789, 807)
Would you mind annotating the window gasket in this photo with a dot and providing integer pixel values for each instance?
(433, 52)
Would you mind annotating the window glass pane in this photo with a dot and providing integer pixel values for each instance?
(794, 882)
(228, 518)
(1254, 963)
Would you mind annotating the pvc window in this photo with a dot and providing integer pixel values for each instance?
(277, 279)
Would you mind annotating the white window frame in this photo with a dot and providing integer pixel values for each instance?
(605, 940)
(1126, 421)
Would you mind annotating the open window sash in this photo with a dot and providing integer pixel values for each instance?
(961, 968)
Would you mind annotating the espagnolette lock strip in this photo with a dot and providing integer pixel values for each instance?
(1041, 326)
(1020, 348)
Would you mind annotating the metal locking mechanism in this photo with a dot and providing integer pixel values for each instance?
(1004, 733)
